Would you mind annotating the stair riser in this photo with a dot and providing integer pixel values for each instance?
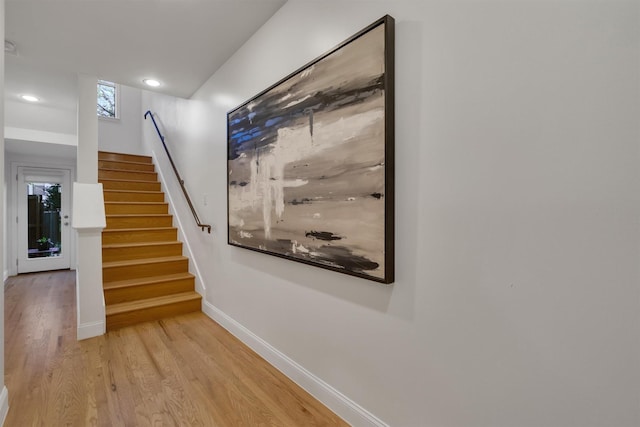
(133, 208)
(137, 176)
(111, 274)
(131, 185)
(108, 164)
(117, 157)
(139, 222)
(117, 196)
(141, 252)
(154, 313)
(133, 293)
(139, 236)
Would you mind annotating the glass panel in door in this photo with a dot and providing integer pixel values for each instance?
(44, 222)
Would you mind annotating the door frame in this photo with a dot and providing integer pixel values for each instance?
(41, 175)
(12, 210)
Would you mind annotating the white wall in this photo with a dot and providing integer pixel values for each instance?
(123, 135)
(89, 292)
(517, 299)
(4, 396)
(40, 123)
(20, 114)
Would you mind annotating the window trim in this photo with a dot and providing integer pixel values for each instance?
(116, 86)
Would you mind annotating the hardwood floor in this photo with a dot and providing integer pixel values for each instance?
(182, 371)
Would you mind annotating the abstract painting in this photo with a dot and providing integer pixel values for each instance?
(310, 161)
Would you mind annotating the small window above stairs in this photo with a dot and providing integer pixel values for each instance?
(145, 277)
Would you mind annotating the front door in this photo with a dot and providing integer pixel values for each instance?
(43, 219)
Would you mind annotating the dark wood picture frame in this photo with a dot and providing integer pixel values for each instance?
(310, 161)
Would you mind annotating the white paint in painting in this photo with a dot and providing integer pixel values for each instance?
(298, 248)
(295, 182)
(297, 101)
(307, 72)
(235, 221)
(252, 190)
(245, 234)
(262, 182)
(267, 167)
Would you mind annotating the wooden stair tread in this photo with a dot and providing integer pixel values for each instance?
(135, 181)
(143, 261)
(137, 215)
(146, 280)
(120, 155)
(135, 203)
(128, 230)
(130, 162)
(132, 191)
(139, 244)
(129, 184)
(125, 170)
(126, 307)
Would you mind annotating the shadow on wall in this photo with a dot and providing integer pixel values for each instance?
(353, 289)
(398, 299)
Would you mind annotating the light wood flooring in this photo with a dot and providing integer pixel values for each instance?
(182, 371)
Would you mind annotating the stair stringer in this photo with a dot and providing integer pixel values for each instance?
(200, 286)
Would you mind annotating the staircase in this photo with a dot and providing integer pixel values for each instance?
(145, 277)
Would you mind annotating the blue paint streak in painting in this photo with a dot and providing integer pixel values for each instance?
(272, 122)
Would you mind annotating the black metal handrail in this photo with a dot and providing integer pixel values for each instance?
(180, 180)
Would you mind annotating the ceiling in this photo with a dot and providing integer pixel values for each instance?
(27, 148)
(178, 42)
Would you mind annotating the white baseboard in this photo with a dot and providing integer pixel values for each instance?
(5, 276)
(4, 405)
(91, 329)
(344, 407)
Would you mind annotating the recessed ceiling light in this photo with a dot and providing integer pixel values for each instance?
(151, 82)
(30, 98)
